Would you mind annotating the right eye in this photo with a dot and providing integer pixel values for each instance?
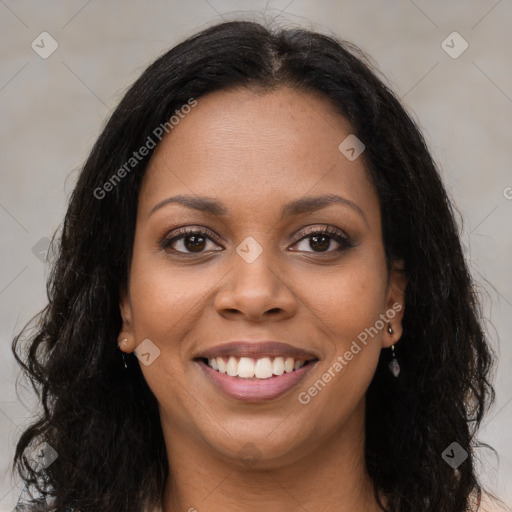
(191, 240)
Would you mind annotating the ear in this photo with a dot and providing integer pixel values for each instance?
(126, 338)
(395, 304)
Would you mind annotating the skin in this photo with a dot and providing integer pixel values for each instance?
(255, 151)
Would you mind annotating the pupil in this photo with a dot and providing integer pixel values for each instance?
(325, 244)
(198, 242)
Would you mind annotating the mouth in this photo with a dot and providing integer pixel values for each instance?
(255, 373)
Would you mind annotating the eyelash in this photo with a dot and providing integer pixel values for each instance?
(341, 238)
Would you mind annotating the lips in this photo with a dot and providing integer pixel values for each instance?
(271, 384)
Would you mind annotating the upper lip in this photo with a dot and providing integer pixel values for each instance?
(256, 350)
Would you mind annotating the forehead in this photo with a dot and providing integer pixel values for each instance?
(255, 148)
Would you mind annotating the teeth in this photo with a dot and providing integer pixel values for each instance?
(278, 367)
(232, 368)
(263, 368)
(247, 367)
(288, 365)
(220, 363)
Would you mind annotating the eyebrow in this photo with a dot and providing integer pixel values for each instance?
(300, 206)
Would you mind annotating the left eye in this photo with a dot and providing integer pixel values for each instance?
(322, 241)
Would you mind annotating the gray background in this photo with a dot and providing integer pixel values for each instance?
(53, 109)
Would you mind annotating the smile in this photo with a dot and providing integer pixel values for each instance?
(255, 380)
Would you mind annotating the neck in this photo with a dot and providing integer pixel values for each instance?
(331, 476)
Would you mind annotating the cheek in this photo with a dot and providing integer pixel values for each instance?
(162, 295)
(162, 307)
(345, 300)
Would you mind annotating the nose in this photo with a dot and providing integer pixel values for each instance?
(257, 291)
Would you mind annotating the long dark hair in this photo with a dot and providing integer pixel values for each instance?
(103, 420)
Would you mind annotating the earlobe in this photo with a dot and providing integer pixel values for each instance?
(123, 342)
(395, 305)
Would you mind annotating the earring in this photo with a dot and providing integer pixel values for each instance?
(123, 342)
(394, 366)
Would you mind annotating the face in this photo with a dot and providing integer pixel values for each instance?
(259, 260)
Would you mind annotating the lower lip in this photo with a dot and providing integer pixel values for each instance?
(255, 390)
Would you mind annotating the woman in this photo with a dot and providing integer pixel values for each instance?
(260, 300)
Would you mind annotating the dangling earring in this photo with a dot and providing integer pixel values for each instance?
(123, 342)
(393, 366)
